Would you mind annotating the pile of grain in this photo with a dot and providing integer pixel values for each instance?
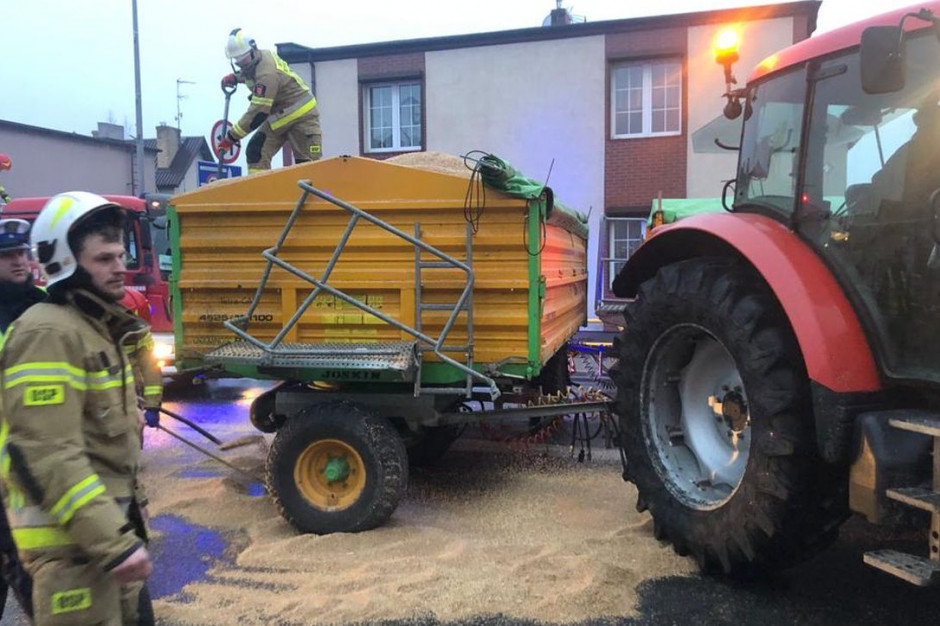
(529, 534)
(433, 161)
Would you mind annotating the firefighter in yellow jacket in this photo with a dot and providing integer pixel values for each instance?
(282, 108)
(69, 444)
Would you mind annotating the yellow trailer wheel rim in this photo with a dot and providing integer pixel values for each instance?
(330, 474)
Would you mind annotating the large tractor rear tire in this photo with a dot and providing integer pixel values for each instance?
(335, 467)
(717, 422)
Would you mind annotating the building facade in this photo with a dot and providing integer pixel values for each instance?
(605, 112)
(47, 162)
(177, 159)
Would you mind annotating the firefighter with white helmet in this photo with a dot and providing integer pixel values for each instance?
(69, 442)
(282, 109)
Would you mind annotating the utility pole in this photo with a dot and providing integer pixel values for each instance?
(140, 116)
(179, 98)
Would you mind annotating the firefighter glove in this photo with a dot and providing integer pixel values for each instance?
(226, 143)
(152, 417)
(229, 80)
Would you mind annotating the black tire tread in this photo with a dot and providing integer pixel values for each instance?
(376, 441)
(788, 506)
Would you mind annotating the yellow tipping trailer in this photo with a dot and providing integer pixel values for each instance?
(409, 291)
(530, 274)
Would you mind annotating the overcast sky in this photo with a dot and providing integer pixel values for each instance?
(69, 64)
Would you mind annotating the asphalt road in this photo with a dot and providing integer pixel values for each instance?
(834, 588)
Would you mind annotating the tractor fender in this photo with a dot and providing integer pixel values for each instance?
(835, 349)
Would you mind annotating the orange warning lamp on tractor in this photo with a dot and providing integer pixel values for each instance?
(725, 47)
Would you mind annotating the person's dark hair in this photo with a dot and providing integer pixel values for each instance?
(107, 222)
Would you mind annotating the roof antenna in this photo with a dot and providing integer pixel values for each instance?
(179, 98)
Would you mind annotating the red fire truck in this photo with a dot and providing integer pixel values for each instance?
(147, 268)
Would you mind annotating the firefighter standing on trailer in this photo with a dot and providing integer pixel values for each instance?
(69, 446)
(282, 107)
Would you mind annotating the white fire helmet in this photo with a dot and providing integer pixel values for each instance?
(238, 45)
(49, 234)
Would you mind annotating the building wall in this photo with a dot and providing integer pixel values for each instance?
(534, 104)
(545, 107)
(705, 82)
(190, 179)
(637, 169)
(46, 164)
(338, 98)
(394, 67)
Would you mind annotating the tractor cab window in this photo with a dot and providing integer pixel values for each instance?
(767, 169)
(872, 173)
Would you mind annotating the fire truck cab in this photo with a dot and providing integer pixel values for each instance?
(144, 274)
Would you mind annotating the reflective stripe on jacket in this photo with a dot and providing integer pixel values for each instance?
(69, 444)
(276, 91)
(149, 377)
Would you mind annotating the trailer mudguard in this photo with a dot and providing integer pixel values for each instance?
(835, 349)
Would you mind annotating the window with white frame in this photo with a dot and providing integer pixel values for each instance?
(646, 99)
(625, 234)
(392, 116)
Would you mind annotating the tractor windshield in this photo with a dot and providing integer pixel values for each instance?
(770, 147)
(867, 194)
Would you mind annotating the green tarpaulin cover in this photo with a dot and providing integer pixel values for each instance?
(502, 176)
(675, 209)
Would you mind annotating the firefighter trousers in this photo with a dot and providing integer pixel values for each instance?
(303, 135)
(69, 590)
(13, 576)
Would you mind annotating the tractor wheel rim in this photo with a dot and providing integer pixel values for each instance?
(330, 475)
(698, 424)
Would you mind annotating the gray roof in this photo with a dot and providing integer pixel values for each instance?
(191, 148)
(296, 53)
(127, 145)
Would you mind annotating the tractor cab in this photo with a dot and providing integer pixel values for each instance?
(779, 366)
(842, 147)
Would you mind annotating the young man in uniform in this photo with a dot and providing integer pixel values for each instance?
(17, 293)
(282, 108)
(69, 443)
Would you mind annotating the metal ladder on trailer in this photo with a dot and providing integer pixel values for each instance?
(915, 569)
(403, 357)
(463, 305)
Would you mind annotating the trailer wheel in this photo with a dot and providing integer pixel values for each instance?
(335, 467)
(717, 422)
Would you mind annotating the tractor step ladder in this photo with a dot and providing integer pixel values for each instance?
(464, 305)
(400, 358)
(921, 571)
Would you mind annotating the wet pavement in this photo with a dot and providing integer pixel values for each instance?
(835, 588)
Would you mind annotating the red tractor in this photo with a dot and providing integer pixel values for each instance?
(779, 367)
